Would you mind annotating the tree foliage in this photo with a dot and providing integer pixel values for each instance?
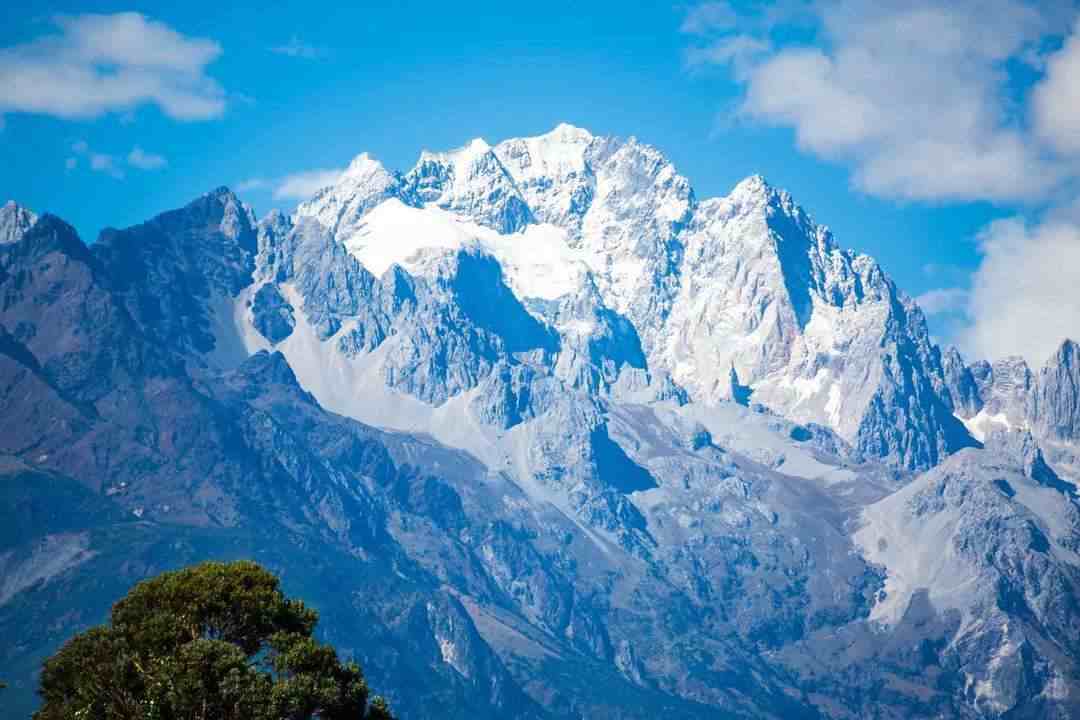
(217, 641)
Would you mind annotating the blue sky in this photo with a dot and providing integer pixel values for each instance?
(891, 123)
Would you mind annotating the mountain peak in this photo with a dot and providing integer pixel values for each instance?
(754, 186)
(756, 193)
(223, 194)
(1068, 351)
(364, 168)
(52, 234)
(465, 154)
(15, 220)
(565, 132)
(361, 163)
(237, 218)
(1068, 345)
(477, 145)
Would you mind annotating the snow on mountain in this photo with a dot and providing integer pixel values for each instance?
(552, 174)
(537, 262)
(1007, 395)
(15, 220)
(1007, 388)
(745, 287)
(363, 185)
(809, 327)
(469, 181)
(639, 433)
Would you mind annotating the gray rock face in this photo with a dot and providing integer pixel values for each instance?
(815, 332)
(14, 222)
(170, 271)
(1056, 403)
(470, 181)
(1008, 395)
(271, 315)
(512, 394)
(596, 343)
(1009, 391)
(964, 392)
(686, 484)
(668, 287)
(989, 530)
(333, 285)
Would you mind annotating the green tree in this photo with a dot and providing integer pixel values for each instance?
(216, 641)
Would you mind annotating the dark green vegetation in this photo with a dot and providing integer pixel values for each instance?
(217, 640)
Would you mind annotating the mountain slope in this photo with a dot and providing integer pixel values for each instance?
(746, 284)
(541, 434)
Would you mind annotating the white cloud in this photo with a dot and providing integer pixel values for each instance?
(298, 49)
(938, 100)
(105, 163)
(709, 16)
(98, 162)
(302, 185)
(1056, 100)
(943, 301)
(104, 63)
(917, 96)
(144, 160)
(102, 163)
(297, 186)
(740, 51)
(256, 183)
(1024, 298)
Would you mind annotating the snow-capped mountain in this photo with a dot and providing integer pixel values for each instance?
(1007, 395)
(743, 291)
(545, 435)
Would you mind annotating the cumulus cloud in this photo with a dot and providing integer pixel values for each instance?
(302, 185)
(941, 101)
(918, 96)
(1024, 298)
(96, 161)
(943, 301)
(94, 64)
(145, 161)
(1056, 99)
